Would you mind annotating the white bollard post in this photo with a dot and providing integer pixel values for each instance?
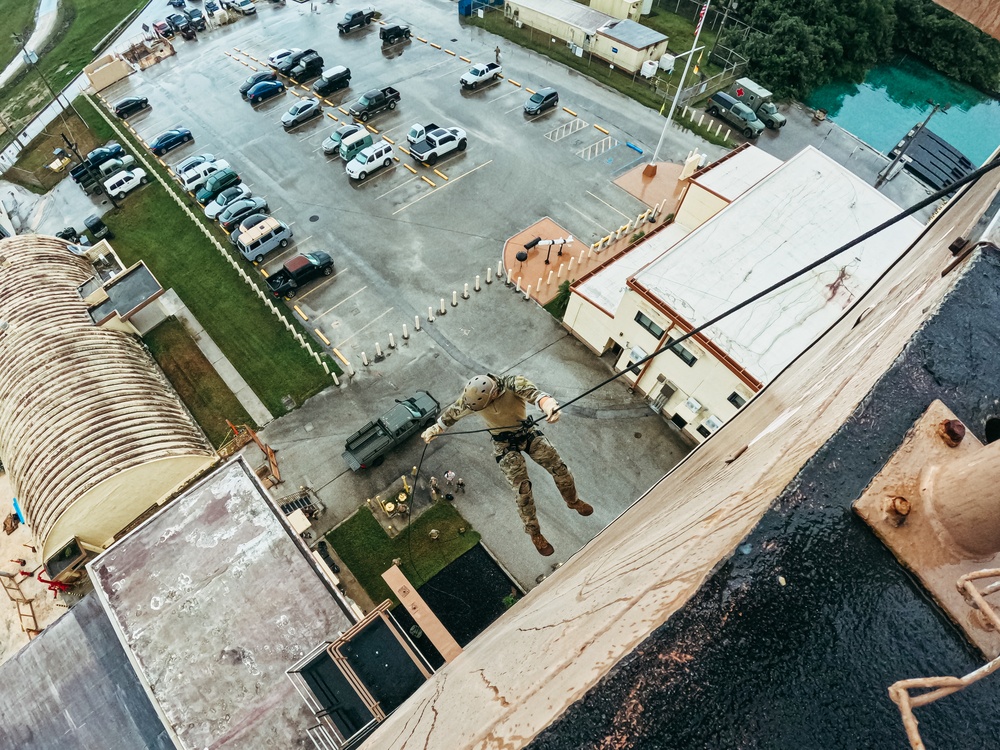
(378, 352)
(477, 287)
(499, 268)
(392, 341)
(336, 380)
(579, 261)
(416, 322)
(539, 286)
(430, 314)
(527, 294)
(701, 119)
(364, 359)
(441, 310)
(350, 370)
(569, 269)
(518, 287)
(489, 275)
(510, 276)
(454, 298)
(465, 289)
(561, 267)
(729, 132)
(406, 332)
(549, 280)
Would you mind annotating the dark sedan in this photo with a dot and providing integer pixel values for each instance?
(130, 105)
(259, 77)
(238, 210)
(170, 140)
(285, 66)
(264, 90)
(302, 111)
(197, 18)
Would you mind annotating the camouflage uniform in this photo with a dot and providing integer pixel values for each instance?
(505, 416)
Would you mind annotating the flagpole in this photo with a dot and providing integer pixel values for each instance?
(650, 169)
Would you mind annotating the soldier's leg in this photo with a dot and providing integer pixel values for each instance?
(512, 465)
(544, 454)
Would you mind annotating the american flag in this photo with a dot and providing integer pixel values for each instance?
(701, 18)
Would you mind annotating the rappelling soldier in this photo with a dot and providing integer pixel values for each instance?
(501, 402)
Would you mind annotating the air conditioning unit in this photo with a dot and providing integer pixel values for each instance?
(518, 22)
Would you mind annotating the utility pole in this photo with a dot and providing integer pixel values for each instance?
(650, 168)
(731, 5)
(22, 42)
(91, 172)
(886, 174)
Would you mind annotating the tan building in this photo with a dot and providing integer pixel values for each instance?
(743, 223)
(91, 433)
(623, 43)
(619, 8)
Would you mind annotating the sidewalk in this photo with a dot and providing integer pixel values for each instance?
(45, 22)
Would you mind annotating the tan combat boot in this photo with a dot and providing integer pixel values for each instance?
(541, 544)
(584, 509)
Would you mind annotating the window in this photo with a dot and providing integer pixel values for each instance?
(736, 400)
(703, 430)
(684, 354)
(678, 420)
(646, 322)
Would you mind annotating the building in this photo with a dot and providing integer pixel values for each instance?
(619, 8)
(91, 433)
(739, 603)
(623, 43)
(751, 223)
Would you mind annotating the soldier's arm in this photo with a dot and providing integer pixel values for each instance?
(530, 393)
(453, 413)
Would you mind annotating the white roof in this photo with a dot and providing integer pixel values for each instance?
(730, 178)
(606, 288)
(567, 11)
(806, 208)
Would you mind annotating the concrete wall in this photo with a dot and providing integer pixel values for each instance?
(626, 58)
(619, 8)
(698, 206)
(593, 327)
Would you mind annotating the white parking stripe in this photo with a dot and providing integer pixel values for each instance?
(341, 302)
(373, 322)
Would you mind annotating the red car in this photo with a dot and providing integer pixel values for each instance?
(162, 28)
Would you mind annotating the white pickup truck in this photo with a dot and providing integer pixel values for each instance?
(437, 143)
(481, 73)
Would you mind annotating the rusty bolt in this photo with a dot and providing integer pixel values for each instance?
(896, 509)
(900, 506)
(952, 431)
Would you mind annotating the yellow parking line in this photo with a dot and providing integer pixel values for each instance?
(332, 117)
(404, 149)
(569, 111)
(387, 138)
(340, 356)
(464, 59)
(514, 82)
(421, 39)
(372, 129)
(343, 111)
(602, 129)
(427, 181)
(410, 168)
(225, 52)
(302, 314)
(530, 91)
(450, 52)
(395, 157)
(304, 88)
(328, 103)
(253, 68)
(244, 62)
(444, 177)
(435, 46)
(293, 92)
(263, 272)
(320, 334)
(236, 48)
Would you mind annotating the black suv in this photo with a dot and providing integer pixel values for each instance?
(394, 33)
(286, 65)
(307, 68)
(196, 18)
(178, 22)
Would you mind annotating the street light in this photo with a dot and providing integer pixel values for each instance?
(91, 172)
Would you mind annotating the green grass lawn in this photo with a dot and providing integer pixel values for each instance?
(368, 551)
(81, 25)
(19, 16)
(30, 169)
(196, 381)
(150, 226)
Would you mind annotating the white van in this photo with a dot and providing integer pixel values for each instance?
(261, 239)
(196, 177)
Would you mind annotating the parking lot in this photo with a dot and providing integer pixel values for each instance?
(407, 237)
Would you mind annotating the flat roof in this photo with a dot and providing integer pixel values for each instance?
(730, 177)
(213, 601)
(567, 11)
(633, 34)
(606, 288)
(806, 208)
(127, 293)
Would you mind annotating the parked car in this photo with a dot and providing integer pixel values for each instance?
(230, 195)
(195, 178)
(190, 163)
(163, 29)
(114, 166)
(481, 73)
(375, 101)
(248, 223)
(332, 144)
(541, 100)
(307, 68)
(355, 19)
(95, 159)
(354, 144)
(394, 33)
(369, 160)
(264, 238)
(176, 3)
(736, 113)
(246, 7)
(438, 143)
(280, 55)
(264, 90)
(196, 18)
(125, 182)
(238, 210)
(333, 79)
(300, 112)
(169, 140)
(211, 7)
(130, 105)
(285, 66)
(178, 22)
(299, 271)
(224, 178)
(255, 78)
(369, 445)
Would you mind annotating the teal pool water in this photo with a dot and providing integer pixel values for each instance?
(893, 98)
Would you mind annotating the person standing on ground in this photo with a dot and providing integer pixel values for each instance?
(497, 53)
(501, 401)
(449, 477)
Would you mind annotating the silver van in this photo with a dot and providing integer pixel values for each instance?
(352, 145)
(261, 239)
